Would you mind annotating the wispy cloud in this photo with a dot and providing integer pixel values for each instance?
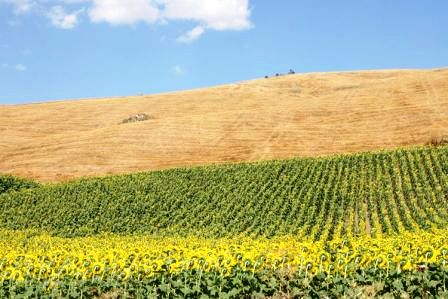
(20, 6)
(74, 1)
(26, 52)
(20, 67)
(191, 35)
(179, 70)
(61, 19)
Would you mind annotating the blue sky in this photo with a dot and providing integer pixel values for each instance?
(64, 49)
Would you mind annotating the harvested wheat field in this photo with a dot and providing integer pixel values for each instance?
(281, 117)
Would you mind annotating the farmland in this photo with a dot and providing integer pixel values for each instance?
(277, 118)
(370, 224)
(228, 149)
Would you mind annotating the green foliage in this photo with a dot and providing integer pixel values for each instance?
(242, 284)
(321, 198)
(9, 183)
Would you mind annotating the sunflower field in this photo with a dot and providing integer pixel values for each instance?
(360, 225)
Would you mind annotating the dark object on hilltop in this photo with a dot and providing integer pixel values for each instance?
(136, 118)
(291, 72)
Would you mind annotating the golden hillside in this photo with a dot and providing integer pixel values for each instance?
(294, 115)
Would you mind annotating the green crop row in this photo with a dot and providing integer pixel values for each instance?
(322, 198)
(370, 283)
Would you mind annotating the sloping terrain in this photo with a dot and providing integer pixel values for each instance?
(316, 198)
(295, 115)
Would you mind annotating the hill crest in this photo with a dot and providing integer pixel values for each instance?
(281, 117)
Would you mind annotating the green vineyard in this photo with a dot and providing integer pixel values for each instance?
(373, 194)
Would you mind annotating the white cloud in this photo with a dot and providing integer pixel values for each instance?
(119, 12)
(20, 6)
(59, 18)
(205, 14)
(20, 67)
(191, 35)
(179, 70)
(210, 14)
(213, 14)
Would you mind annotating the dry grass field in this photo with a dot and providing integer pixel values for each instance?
(294, 115)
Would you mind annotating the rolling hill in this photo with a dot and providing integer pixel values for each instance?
(281, 117)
